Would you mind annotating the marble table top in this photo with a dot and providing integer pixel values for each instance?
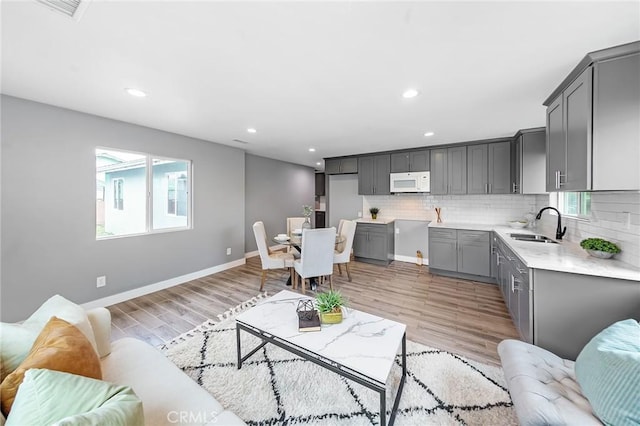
(362, 342)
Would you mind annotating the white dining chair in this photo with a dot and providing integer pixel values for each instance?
(316, 259)
(294, 223)
(342, 255)
(269, 259)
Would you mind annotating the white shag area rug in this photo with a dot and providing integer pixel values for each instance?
(275, 387)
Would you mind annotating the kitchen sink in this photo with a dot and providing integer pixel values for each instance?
(533, 237)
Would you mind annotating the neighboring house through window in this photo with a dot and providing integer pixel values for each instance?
(157, 192)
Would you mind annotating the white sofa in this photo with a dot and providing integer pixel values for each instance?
(169, 397)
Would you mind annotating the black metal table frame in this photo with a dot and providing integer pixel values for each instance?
(329, 365)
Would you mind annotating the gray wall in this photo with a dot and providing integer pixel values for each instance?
(411, 235)
(343, 201)
(48, 208)
(274, 190)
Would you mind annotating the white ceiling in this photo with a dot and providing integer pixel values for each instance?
(327, 75)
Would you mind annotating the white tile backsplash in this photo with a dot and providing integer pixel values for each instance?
(615, 216)
(490, 209)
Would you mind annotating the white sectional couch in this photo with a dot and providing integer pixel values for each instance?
(169, 397)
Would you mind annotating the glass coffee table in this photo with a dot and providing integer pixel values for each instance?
(362, 348)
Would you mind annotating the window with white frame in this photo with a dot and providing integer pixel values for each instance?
(576, 204)
(149, 193)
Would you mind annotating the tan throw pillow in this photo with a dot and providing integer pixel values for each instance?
(61, 347)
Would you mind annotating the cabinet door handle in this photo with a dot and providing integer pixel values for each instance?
(522, 271)
(557, 179)
(489, 188)
(486, 188)
(510, 258)
(514, 188)
(560, 176)
(514, 287)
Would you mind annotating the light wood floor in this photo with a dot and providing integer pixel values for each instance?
(465, 317)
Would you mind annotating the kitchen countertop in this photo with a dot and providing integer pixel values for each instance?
(380, 220)
(564, 256)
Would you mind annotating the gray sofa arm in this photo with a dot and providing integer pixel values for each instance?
(543, 386)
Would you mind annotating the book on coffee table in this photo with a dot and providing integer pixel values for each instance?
(308, 321)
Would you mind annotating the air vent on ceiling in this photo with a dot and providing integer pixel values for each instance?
(71, 8)
(242, 142)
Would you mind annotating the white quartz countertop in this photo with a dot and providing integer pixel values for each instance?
(381, 220)
(564, 256)
(362, 342)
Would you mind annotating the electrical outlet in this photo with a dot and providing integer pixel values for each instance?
(101, 281)
(359, 214)
(228, 251)
(397, 230)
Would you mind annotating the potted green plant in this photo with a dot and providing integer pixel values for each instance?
(597, 247)
(306, 212)
(374, 212)
(329, 306)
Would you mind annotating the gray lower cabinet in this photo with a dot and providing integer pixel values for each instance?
(373, 175)
(513, 281)
(561, 311)
(443, 249)
(374, 243)
(474, 253)
(336, 166)
(460, 252)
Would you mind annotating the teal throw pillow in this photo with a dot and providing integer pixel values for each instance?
(608, 371)
(48, 397)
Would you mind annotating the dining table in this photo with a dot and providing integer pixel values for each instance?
(295, 240)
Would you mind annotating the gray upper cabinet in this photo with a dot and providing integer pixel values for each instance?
(336, 166)
(556, 146)
(457, 170)
(489, 168)
(438, 165)
(499, 172)
(577, 124)
(616, 124)
(410, 161)
(373, 175)
(477, 163)
(592, 124)
(528, 162)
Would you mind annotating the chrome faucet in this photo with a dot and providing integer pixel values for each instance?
(559, 231)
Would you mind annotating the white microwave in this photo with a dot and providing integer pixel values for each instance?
(410, 182)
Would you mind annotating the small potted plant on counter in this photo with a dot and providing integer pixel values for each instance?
(597, 247)
(329, 306)
(374, 212)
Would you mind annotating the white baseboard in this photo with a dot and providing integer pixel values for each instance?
(410, 259)
(141, 291)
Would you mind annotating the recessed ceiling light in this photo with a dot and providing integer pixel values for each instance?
(135, 92)
(251, 130)
(410, 93)
(312, 150)
(429, 134)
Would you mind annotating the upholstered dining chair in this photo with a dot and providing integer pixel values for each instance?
(316, 259)
(294, 223)
(269, 259)
(342, 254)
